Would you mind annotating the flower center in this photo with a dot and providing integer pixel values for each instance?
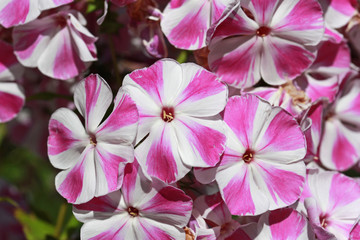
(323, 220)
(167, 114)
(133, 211)
(248, 156)
(61, 21)
(93, 140)
(263, 31)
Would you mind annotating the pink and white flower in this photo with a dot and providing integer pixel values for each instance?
(340, 146)
(92, 158)
(284, 223)
(333, 207)
(179, 106)
(142, 210)
(186, 22)
(58, 45)
(11, 96)
(15, 12)
(273, 40)
(261, 168)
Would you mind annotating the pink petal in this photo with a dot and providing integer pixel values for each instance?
(343, 153)
(121, 125)
(185, 25)
(159, 154)
(92, 98)
(277, 54)
(153, 230)
(67, 138)
(262, 10)
(338, 12)
(77, 184)
(203, 95)
(300, 21)
(236, 60)
(12, 100)
(348, 106)
(200, 142)
(14, 12)
(270, 179)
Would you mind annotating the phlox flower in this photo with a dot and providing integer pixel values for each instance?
(337, 13)
(143, 209)
(15, 12)
(58, 45)
(11, 96)
(333, 206)
(261, 168)
(285, 223)
(178, 108)
(186, 22)
(92, 158)
(274, 40)
(340, 145)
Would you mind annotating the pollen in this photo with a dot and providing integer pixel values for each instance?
(248, 156)
(263, 31)
(323, 220)
(93, 140)
(167, 114)
(133, 211)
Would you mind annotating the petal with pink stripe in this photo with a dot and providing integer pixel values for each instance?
(78, 183)
(67, 138)
(12, 100)
(92, 98)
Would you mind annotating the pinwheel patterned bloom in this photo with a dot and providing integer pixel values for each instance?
(58, 45)
(262, 167)
(179, 107)
(15, 12)
(11, 96)
(142, 210)
(92, 158)
(274, 40)
(340, 145)
(333, 207)
(186, 22)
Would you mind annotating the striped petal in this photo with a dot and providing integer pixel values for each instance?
(12, 100)
(78, 183)
(92, 98)
(300, 21)
(67, 139)
(338, 12)
(15, 12)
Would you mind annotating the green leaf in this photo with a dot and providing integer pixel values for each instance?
(34, 228)
(2, 132)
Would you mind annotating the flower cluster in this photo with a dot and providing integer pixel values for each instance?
(255, 140)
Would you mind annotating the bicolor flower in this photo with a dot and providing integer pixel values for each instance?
(274, 40)
(11, 96)
(15, 12)
(340, 145)
(178, 107)
(322, 78)
(285, 223)
(58, 45)
(142, 210)
(333, 207)
(261, 168)
(186, 22)
(92, 158)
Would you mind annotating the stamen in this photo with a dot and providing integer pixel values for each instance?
(263, 31)
(167, 114)
(93, 140)
(248, 156)
(323, 220)
(133, 211)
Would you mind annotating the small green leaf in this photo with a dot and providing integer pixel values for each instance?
(34, 228)
(2, 132)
